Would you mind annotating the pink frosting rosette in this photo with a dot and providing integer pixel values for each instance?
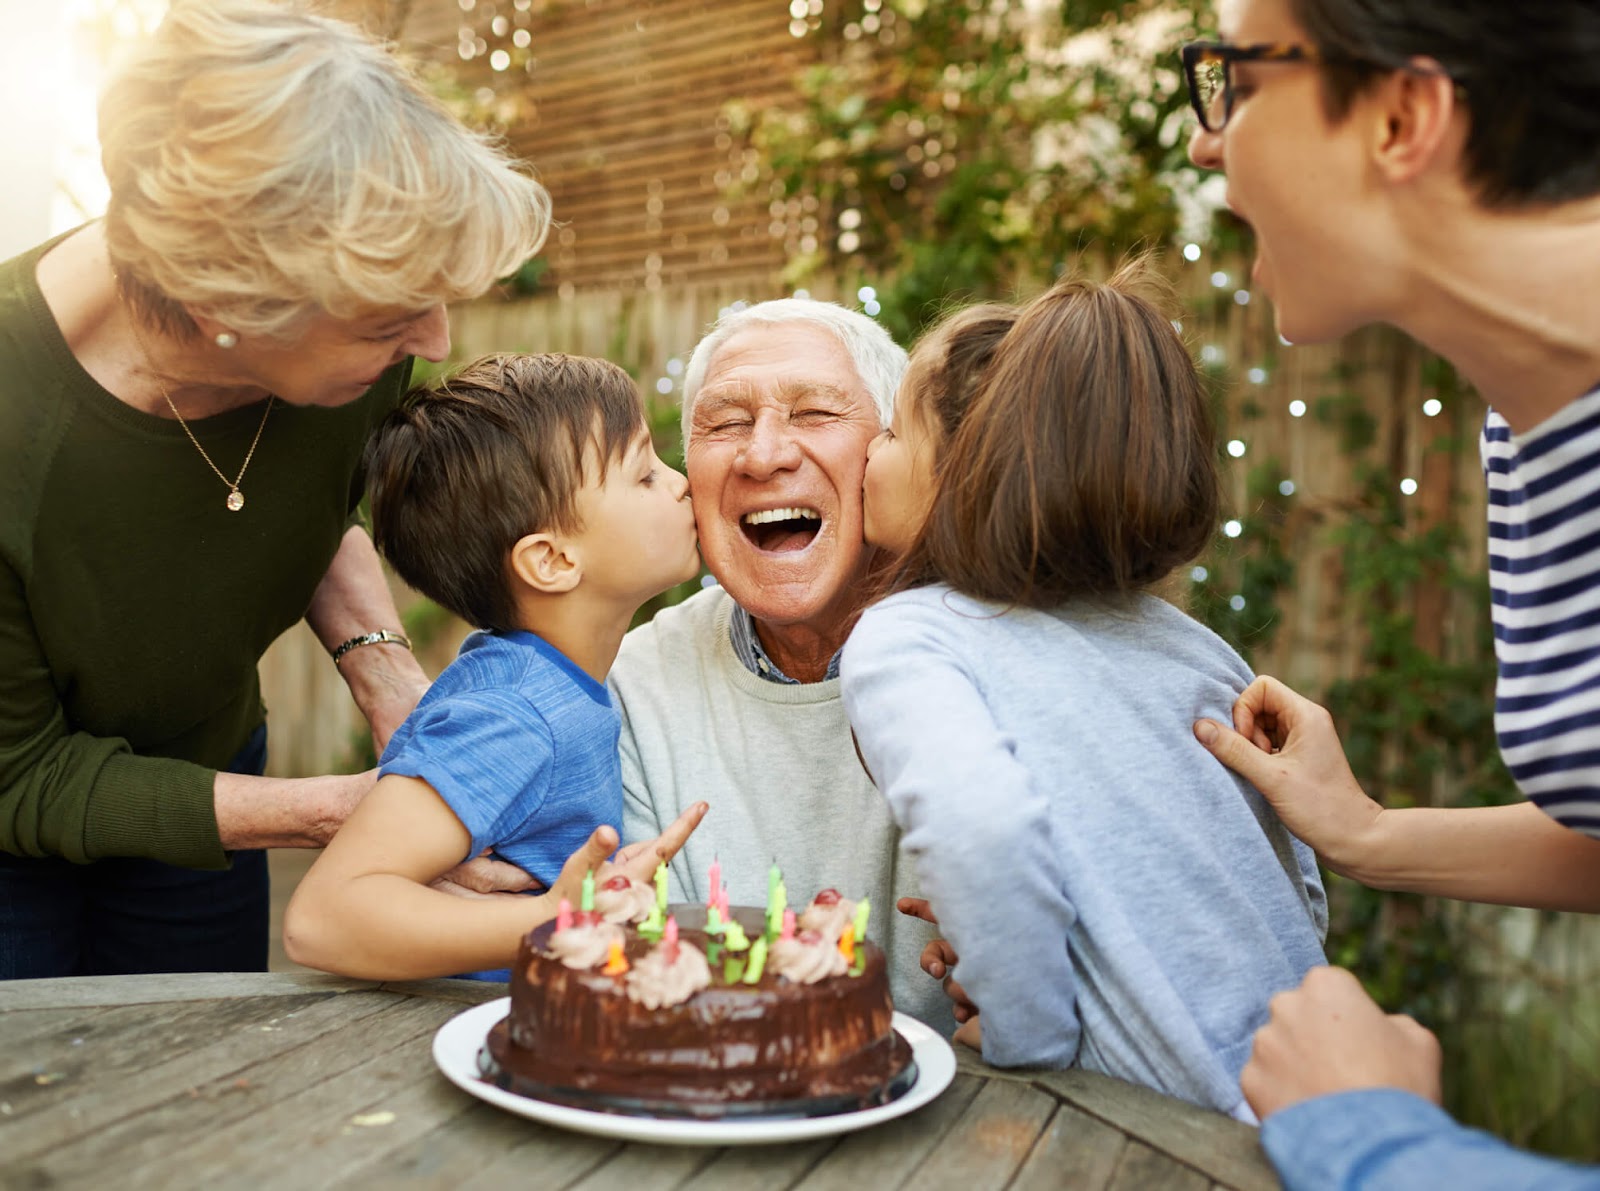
(828, 915)
(586, 943)
(807, 958)
(622, 899)
(656, 981)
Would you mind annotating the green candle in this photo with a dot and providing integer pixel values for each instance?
(774, 879)
(757, 960)
(713, 921)
(586, 901)
(862, 909)
(661, 887)
(653, 924)
(733, 935)
(777, 902)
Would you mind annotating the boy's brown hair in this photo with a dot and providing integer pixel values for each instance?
(1082, 464)
(462, 470)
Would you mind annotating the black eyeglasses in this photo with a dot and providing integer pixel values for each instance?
(1208, 67)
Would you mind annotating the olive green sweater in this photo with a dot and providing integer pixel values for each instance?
(134, 605)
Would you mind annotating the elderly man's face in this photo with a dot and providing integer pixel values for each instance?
(777, 448)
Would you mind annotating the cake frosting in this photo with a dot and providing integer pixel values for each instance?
(674, 1021)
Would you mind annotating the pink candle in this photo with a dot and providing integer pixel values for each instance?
(672, 930)
(788, 924)
(669, 941)
(714, 879)
(563, 915)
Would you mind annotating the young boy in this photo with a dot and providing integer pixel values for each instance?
(525, 496)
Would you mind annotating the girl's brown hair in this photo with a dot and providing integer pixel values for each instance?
(1078, 461)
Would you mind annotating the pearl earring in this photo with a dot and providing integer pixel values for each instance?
(226, 339)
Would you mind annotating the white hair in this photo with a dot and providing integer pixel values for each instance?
(267, 164)
(878, 359)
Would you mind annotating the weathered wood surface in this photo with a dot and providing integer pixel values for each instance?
(297, 1081)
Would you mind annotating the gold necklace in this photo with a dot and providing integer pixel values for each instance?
(235, 500)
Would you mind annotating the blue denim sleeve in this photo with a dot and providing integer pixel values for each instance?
(1381, 1139)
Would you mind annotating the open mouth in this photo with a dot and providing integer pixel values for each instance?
(778, 531)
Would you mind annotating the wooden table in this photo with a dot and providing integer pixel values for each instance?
(290, 1080)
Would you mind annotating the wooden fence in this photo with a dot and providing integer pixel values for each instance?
(1317, 641)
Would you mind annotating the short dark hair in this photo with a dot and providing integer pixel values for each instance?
(1530, 74)
(1084, 463)
(462, 470)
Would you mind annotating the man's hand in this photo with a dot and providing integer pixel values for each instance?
(485, 877)
(1286, 746)
(1328, 1036)
(938, 960)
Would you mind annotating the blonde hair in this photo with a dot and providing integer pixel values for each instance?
(266, 164)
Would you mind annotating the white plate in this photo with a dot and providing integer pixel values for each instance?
(456, 1046)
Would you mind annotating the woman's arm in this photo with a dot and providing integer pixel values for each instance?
(353, 599)
(365, 909)
(1508, 855)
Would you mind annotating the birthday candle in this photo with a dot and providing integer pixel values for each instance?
(714, 880)
(713, 920)
(616, 962)
(563, 914)
(586, 899)
(670, 940)
(661, 887)
(788, 925)
(862, 908)
(757, 961)
(774, 879)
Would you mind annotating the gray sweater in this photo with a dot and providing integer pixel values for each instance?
(777, 765)
(1118, 899)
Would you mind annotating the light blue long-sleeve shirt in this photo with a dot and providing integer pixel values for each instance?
(1383, 1139)
(1118, 899)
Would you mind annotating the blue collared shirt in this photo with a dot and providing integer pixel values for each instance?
(1383, 1139)
(747, 647)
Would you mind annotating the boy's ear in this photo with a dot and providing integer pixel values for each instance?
(546, 562)
(1418, 111)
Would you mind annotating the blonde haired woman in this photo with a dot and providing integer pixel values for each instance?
(185, 391)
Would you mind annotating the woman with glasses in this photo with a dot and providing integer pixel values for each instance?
(1433, 165)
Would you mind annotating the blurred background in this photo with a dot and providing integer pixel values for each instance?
(903, 156)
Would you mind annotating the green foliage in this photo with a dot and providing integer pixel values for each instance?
(983, 152)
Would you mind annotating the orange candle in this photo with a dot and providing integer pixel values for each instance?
(616, 962)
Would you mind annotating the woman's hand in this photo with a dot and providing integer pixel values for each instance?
(1328, 1036)
(1286, 746)
(938, 959)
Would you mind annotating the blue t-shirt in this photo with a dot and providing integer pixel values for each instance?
(522, 745)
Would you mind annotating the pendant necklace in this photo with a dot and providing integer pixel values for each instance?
(235, 500)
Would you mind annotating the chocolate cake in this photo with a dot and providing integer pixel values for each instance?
(739, 1020)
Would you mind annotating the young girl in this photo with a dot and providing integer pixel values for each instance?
(1117, 899)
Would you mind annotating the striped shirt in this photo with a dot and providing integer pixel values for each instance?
(1544, 580)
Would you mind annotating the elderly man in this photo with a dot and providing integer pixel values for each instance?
(733, 695)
